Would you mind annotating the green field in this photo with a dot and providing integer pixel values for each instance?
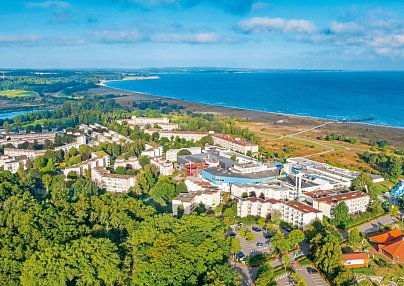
(14, 93)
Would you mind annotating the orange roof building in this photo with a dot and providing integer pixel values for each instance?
(391, 244)
(355, 260)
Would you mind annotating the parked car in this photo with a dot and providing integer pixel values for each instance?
(240, 255)
(298, 254)
(256, 228)
(267, 235)
(287, 228)
(260, 244)
(311, 270)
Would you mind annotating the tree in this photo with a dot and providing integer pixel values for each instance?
(183, 152)
(279, 242)
(328, 255)
(120, 170)
(276, 217)
(354, 236)
(286, 260)
(363, 183)
(222, 275)
(6, 126)
(163, 191)
(46, 180)
(344, 278)
(143, 161)
(395, 167)
(265, 276)
(235, 245)
(299, 279)
(181, 188)
(72, 175)
(261, 222)
(341, 215)
(296, 236)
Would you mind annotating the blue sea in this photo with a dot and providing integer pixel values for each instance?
(371, 97)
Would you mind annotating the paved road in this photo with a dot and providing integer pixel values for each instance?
(374, 226)
(248, 274)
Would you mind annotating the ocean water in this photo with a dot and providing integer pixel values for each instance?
(370, 97)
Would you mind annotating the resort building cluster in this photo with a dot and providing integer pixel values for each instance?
(301, 190)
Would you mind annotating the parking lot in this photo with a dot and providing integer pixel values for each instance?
(250, 247)
(312, 279)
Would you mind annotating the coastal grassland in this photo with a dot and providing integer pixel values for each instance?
(304, 141)
(16, 93)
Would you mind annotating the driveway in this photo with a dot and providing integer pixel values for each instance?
(374, 226)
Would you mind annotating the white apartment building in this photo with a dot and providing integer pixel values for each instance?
(171, 154)
(17, 139)
(165, 167)
(299, 214)
(210, 197)
(357, 202)
(31, 154)
(256, 207)
(163, 123)
(147, 120)
(80, 140)
(86, 166)
(132, 163)
(12, 164)
(196, 184)
(152, 150)
(268, 191)
(112, 182)
(234, 144)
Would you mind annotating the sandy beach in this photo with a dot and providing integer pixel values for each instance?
(283, 124)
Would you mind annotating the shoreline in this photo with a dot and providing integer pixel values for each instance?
(103, 84)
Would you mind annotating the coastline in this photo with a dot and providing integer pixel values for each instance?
(290, 123)
(103, 84)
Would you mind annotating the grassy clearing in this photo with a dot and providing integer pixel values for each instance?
(13, 93)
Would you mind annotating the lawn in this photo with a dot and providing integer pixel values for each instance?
(13, 93)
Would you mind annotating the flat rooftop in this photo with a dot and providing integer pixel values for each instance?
(219, 172)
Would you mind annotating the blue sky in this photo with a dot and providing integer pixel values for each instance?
(354, 35)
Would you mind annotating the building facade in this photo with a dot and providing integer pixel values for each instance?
(112, 182)
(357, 202)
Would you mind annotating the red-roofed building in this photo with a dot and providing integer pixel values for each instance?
(391, 244)
(299, 214)
(235, 144)
(357, 202)
(355, 260)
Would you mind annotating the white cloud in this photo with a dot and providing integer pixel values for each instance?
(19, 39)
(260, 6)
(345, 27)
(194, 38)
(119, 36)
(49, 4)
(265, 24)
(390, 41)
